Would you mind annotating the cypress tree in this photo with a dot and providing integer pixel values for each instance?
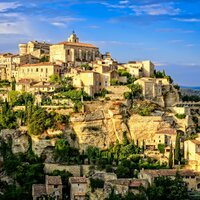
(171, 157)
(177, 155)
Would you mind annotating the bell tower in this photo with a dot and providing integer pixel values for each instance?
(73, 38)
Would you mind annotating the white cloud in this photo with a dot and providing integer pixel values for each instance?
(4, 6)
(124, 2)
(156, 9)
(94, 27)
(19, 27)
(187, 19)
(62, 21)
(59, 24)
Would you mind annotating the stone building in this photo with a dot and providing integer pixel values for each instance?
(78, 188)
(29, 85)
(159, 90)
(189, 176)
(51, 188)
(139, 68)
(164, 136)
(34, 48)
(123, 186)
(192, 154)
(93, 82)
(72, 52)
(9, 63)
(38, 72)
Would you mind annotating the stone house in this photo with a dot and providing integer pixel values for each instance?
(164, 136)
(51, 188)
(192, 154)
(123, 186)
(139, 69)
(38, 72)
(191, 177)
(78, 188)
(159, 90)
(93, 82)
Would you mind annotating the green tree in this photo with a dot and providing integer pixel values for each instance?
(167, 188)
(39, 122)
(177, 154)
(171, 157)
(136, 90)
(55, 78)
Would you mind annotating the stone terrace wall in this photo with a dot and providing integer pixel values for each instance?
(76, 170)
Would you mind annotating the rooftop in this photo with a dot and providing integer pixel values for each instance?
(38, 190)
(53, 180)
(78, 44)
(195, 141)
(169, 172)
(78, 180)
(169, 131)
(39, 64)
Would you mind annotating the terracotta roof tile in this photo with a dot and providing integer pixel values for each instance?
(38, 190)
(195, 141)
(39, 64)
(78, 180)
(166, 131)
(53, 180)
(78, 44)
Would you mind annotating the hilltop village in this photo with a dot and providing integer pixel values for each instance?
(77, 124)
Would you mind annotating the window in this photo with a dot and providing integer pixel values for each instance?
(55, 186)
(68, 52)
(36, 69)
(41, 69)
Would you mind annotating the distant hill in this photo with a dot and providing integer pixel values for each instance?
(190, 91)
(192, 88)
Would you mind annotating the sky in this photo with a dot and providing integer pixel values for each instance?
(167, 32)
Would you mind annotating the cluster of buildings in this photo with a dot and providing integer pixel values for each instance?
(80, 187)
(36, 62)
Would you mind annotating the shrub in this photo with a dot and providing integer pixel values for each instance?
(180, 116)
(161, 148)
(96, 183)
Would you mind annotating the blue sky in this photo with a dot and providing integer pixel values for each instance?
(166, 32)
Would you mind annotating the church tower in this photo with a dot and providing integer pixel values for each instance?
(73, 38)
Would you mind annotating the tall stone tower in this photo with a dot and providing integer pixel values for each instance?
(73, 38)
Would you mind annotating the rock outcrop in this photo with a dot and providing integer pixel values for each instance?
(18, 139)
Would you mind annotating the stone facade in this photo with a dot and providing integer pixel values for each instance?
(78, 188)
(192, 154)
(159, 90)
(72, 51)
(189, 176)
(139, 69)
(34, 48)
(52, 188)
(38, 72)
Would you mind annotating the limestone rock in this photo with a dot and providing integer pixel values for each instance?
(20, 140)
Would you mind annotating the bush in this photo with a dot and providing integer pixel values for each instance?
(180, 116)
(114, 82)
(96, 183)
(161, 148)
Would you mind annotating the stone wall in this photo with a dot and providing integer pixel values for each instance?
(76, 170)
